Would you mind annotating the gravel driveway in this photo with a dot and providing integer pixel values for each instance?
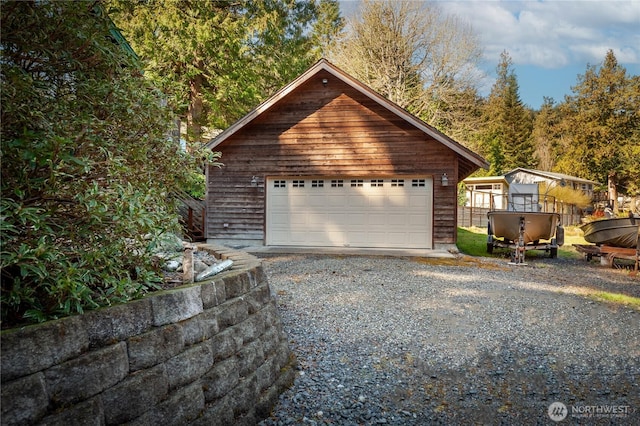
(408, 341)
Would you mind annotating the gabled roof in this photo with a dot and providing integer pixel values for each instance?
(551, 175)
(324, 65)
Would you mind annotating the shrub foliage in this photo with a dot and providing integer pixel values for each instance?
(87, 165)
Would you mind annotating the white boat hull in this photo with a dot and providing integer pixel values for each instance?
(537, 225)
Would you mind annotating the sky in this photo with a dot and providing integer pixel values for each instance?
(550, 42)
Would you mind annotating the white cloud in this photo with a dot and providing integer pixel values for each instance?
(627, 54)
(550, 41)
(553, 34)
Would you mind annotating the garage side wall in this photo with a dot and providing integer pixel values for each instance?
(316, 131)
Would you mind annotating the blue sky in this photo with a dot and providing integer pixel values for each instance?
(550, 42)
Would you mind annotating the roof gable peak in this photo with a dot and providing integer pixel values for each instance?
(324, 64)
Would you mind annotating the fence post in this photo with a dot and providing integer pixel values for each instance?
(471, 209)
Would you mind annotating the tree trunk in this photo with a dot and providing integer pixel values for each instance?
(613, 192)
(194, 115)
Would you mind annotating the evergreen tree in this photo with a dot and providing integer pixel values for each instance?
(546, 135)
(508, 123)
(327, 28)
(215, 60)
(186, 49)
(602, 119)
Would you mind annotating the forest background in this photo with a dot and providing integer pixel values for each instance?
(91, 91)
(411, 52)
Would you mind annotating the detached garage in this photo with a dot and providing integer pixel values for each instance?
(328, 162)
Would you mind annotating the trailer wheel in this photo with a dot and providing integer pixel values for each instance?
(560, 235)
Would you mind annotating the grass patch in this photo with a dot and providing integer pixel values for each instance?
(473, 241)
(618, 298)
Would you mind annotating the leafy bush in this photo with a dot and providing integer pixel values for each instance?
(196, 186)
(87, 167)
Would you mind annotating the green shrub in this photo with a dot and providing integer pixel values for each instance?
(87, 167)
(196, 186)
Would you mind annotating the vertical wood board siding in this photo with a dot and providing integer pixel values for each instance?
(318, 130)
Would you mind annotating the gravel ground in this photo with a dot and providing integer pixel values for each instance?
(408, 341)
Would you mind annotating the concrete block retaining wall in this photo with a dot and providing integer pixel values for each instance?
(213, 353)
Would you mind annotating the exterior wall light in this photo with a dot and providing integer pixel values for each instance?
(254, 181)
(324, 81)
(444, 180)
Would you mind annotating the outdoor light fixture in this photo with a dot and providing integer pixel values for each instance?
(324, 81)
(254, 181)
(444, 180)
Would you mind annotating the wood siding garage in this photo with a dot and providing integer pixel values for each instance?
(327, 126)
(373, 212)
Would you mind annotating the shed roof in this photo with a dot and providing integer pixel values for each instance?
(550, 175)
(325, 65)
(486, 179)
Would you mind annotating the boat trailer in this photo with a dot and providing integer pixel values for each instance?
(519, 248)
(609, 254)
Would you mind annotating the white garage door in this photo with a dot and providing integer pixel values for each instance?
(348, 212)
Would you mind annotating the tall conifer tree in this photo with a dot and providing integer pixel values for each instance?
(508, 123)
(215, 60)
(601, 136)
(546, 135)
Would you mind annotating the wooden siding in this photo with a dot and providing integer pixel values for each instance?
(320, 130)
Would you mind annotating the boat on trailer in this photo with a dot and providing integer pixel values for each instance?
(524, 225)
(616, 232)
(531, 227)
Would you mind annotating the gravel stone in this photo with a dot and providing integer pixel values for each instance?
(415, 341)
